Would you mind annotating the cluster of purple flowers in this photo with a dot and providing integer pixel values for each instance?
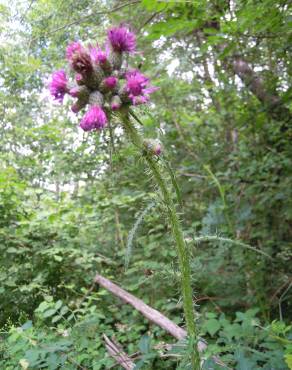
(101, 81)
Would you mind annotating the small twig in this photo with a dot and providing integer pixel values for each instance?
(85, 295)
(148, 20)
(70, 359)
(115, 350)
(282, 286)
(105, 259)
(281, 299)
(211, 299)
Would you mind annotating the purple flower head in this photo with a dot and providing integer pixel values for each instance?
(58, 85)
(111, 82)
(99, 56)
(121, 39)
(136, 87)
(95, 118)
(73, 48)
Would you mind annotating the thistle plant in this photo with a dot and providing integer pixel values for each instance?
(106, 88)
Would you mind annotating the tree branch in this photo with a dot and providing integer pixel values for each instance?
(85, 17)
(273, 103)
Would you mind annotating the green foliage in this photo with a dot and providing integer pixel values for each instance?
(244, 342)
(67, 337)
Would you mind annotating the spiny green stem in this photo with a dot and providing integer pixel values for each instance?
(182, 251)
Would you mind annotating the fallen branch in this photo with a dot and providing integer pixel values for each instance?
(150, 313)
(115, 350)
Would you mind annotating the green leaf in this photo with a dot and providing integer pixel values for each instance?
(49, 313)
(56, 318)
(144, 344)
(32, 356)
(43, 306)
(24, 363)
(64, 310)
(212, 326)
(288, 359)
(151, 5)
(58, 258)
(58, 304)
(211, 315)
(243, 363)
(27, 325)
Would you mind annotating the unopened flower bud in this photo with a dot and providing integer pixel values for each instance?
(96, 98)
(111, 82)
(116, 59)
(116, 103)
(79, 79)
(153, 147)
(106, 66)
(108, 84)
(74, 92)
(94, 79)
(124, 95)
(78, 105)
(81, 92)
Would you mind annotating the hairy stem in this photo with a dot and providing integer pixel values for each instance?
(182, 250)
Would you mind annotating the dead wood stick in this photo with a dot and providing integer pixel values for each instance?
(150, 313)
(115, 350)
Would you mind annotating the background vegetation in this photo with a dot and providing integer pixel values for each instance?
(69, 200)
